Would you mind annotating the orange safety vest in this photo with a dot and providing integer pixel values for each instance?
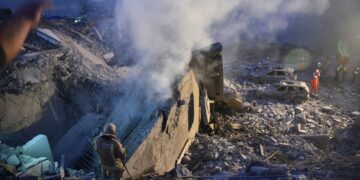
(315, 84)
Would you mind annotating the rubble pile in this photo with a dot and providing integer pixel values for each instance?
(58, 86)
(305, 137)
(34, 159)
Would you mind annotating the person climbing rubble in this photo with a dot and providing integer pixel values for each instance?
(315, 85)
(14, 32)
(111, 152)
(355, 74)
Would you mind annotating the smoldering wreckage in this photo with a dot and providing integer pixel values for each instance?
(211, 128)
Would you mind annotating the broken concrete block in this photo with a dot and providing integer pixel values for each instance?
(5, 152)
(13, 160)
(258, 170)
(181, 171)
(262, 150)
(355, 113)
(298, 110)
(45, 167)
(269, 169)
(38, 147)
(327, 109)
(28, 162)
(235, 125)
(205, 107)
(319, 140)
(48, 36)
(109, 56)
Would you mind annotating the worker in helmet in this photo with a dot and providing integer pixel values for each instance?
(355, 74)
(319, 65)
(315, 85)
(111, 153)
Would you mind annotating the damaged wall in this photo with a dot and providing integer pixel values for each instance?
(164, 137)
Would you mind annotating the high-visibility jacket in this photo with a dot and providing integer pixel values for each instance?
(315, 83)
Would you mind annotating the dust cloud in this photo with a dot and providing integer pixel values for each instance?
(162, 34)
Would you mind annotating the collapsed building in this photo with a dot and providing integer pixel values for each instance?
(62, 87)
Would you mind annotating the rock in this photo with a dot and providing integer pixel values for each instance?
(319, 140)
(109, 56)
(209, 165)
(243, 157)
(258, 170)
(235, 125)
(216, 169)
(13, 160)
(45, 167)
(298, 110)
(181, 171)
(211, 155)
(185, 159)
(38, 147)
(327, 109)
(299, 129)
(27, 162)
(262, 150)
(311, 121)
(355, 113)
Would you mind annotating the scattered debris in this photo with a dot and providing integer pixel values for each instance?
(49, 36)
(34, 159)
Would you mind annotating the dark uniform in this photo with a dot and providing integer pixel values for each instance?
(2, 58)
(337, 72)
(356, 74)
(344, 72)
(111, 152)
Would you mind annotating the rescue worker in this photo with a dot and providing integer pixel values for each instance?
(315, 85)
(344, 72)
(317, 73)
(319, 65)
(355, 74)
(111, 153)
(337, 72)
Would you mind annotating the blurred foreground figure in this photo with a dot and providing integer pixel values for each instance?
(14, 32)
(111, 153)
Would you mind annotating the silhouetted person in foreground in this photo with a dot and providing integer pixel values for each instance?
(14, 31)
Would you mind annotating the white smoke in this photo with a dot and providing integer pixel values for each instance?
(163, 33)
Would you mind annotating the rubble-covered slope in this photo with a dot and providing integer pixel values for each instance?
(53, 87)
(318, 138)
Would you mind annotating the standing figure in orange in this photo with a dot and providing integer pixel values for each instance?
(315, 85)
